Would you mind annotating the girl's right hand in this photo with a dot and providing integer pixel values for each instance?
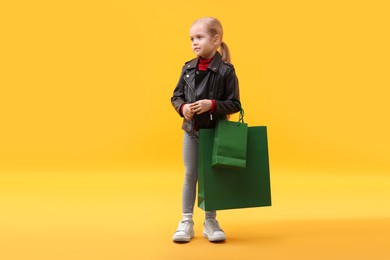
(187, 112)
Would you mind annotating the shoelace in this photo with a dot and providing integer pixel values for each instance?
(183, 225)
(214, 225)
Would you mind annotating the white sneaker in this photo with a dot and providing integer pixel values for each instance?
(212, 231)
(184, 232)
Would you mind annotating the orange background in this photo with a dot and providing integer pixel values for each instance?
(85, 110)
(89, 83)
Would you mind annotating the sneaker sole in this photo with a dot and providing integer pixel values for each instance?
(215, 238)
(183, 238)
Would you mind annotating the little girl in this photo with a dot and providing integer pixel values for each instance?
(206, 92)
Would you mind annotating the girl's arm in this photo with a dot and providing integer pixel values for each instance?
(178, 98)
(232, 103)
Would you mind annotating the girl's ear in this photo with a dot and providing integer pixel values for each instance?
(217, 39)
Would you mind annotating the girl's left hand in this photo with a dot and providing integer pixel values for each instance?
(201, 106)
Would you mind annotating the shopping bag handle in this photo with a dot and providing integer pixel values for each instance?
(241, 117)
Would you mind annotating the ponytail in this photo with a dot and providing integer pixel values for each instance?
(225, 52)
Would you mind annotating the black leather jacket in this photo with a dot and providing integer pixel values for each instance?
(220, 84)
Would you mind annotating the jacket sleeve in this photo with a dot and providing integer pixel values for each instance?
(178, 98)
(231, 104)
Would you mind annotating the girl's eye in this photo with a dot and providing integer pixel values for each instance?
(196, 37)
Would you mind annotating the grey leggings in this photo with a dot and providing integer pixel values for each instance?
(190, 157)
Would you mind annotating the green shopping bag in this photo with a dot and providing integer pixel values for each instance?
(230, 143)
(231, 188)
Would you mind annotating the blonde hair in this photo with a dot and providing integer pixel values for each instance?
(215, 27)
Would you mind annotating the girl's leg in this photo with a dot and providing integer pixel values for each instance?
(211, 214)
(185, 230)
(190, 158)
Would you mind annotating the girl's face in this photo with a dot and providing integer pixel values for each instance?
(203, 44)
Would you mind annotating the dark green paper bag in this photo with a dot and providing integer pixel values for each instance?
(231, 188)
(230, 143)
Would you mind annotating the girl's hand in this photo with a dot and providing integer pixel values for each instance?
(187, 112)
(201, 106)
